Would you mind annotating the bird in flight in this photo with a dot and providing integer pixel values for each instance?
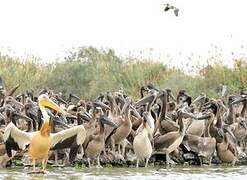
(168, 7)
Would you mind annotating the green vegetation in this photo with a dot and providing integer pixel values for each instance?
(89, 71)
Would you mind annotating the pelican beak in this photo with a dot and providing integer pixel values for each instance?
(242, 123)
(61, 122)
(23, 117)
(85, 116)
(88, 115)
(12, 91)
(203, 117)
(12, 100)
(61, 100)
(186, 114)
(106, 120)
(198, 99)
(75, 96)
(135, 112)
(2, 116)
(101, 104)
(241, 99)
(126, 105)
(46, 102)
(144, 100)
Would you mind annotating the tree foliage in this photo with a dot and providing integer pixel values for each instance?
(87, 71)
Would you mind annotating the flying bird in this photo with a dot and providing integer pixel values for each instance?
(168, 7)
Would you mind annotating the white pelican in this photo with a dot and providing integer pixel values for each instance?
(40, 142)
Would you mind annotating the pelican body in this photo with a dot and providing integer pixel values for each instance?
(141, 144)
(40, 142)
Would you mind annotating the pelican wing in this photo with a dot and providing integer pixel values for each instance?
(90, 138)
(67, 137)
(15, 138)
(166, 140)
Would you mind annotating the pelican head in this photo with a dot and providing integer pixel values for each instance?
(213, 106)
(242, 98)
(45, 101)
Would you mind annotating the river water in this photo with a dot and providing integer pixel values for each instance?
(176, 172)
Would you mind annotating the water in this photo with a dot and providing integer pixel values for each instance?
(177, 172)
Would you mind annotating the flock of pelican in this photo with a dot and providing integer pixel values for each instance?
(114, 126)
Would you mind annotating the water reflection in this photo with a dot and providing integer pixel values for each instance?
(183, 173)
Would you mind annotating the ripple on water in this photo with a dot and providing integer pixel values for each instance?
(176, 172)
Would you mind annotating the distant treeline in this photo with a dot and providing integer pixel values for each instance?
(89, 71)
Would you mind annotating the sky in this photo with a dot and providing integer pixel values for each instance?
(49, 28)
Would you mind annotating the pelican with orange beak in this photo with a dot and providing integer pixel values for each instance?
(40, 142)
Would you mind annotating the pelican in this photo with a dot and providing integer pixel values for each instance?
(169, 142)
(226, 150)
(96, 142)
(124, 127)
(195, 127)
(40, 142)
(148, 101)
(203, 146)
(239, 127)
(141, 144)
(163, 123)
(168, 7)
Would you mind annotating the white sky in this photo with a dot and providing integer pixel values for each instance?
(48, 28)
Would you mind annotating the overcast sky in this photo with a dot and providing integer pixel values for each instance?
(48, 28)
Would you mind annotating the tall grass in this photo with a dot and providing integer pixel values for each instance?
(89, 71)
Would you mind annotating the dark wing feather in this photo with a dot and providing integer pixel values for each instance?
(66, 143)
(16, 139)
(109, 136)
(73, 152)
(10, 144)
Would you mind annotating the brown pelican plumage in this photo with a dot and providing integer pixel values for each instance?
(227, 150)
(124, 127)
(169, 142)
(203, 146)
(96, 142)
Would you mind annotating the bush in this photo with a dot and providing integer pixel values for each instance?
(87, 71)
